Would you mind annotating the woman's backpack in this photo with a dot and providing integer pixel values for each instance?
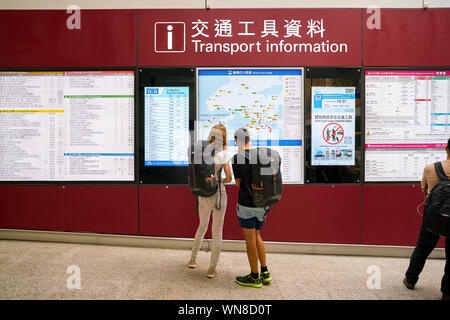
(436, 217)
(202, 177)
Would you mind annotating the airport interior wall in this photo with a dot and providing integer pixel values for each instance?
(365, 213)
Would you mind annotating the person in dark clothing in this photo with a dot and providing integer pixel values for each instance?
(251, 218)
(427, 240)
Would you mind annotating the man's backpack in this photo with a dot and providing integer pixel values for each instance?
(202, 178)
(266, 184)
(436, 217)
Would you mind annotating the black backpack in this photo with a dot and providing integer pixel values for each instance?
(202, 178)
(436, 217)
(266, 183)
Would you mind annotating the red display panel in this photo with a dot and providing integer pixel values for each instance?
(408, 37)
(98, 209)
(250, 37)
(390, 215)
(41, 38)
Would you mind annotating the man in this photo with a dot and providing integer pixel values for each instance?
(428, 240)
(251, 218)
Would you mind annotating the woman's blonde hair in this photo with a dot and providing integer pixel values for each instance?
(218, 137)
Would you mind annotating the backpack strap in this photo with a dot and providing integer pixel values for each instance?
(219, 197)
(440, 171)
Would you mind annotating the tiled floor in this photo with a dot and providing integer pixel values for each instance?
(37, 270)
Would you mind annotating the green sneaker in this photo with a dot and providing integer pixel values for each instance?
(249, 281)
(265, 277)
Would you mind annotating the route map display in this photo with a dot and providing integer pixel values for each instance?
(67, 126)
(407, 122)
(267, 102)
(333, 126)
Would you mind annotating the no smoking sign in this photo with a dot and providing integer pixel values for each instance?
(333, 133)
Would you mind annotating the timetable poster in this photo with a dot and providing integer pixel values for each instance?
(166, 126)
(407, 122)
(267, 102)
(67, 126)
(333, 126)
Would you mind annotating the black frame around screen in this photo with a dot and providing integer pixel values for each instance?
(86, 182)
(163, 77)
(319, 76)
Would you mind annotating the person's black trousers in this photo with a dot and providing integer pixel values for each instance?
(425, 245)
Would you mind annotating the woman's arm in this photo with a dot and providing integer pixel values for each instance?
(226, 168)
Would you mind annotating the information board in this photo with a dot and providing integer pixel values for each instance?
(67, 126)
(333, 126)
(166, 126)
(267, 102)
(407, 122)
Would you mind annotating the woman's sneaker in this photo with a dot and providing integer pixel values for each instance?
(249, 281)
(192, 264)
(265, 277)
(211, 273)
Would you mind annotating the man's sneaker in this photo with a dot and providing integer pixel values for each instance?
(407, 284)
(265, 277)
(249, 281)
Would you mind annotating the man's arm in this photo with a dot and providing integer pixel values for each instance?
(236, 172)
(424, 182)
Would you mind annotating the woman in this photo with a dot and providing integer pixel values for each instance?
(216, 203)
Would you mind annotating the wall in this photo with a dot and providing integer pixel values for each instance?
(360, 214)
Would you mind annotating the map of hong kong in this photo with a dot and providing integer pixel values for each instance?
(255, 104)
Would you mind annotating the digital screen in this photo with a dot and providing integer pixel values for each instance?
(333, 126)
(267, 102)
(166, 126)
(407, 122)
(67, 126)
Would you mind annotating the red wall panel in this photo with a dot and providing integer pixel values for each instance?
(341, 26)
(33, 207)
(301, 216)
(408, 37)
(102, 209)
(307, 213)
(167, 211)
(318, 213)
(40, 38)
(390, 214)
(98, 209)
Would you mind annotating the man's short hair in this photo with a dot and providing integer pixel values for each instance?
(448, 144)
(242, 135)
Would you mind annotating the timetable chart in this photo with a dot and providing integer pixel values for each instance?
(400, 164)
(166, 126)
(407, 122)
(67, 126)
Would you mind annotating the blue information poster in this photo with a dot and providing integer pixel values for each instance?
(333, 126)
(166, 126)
